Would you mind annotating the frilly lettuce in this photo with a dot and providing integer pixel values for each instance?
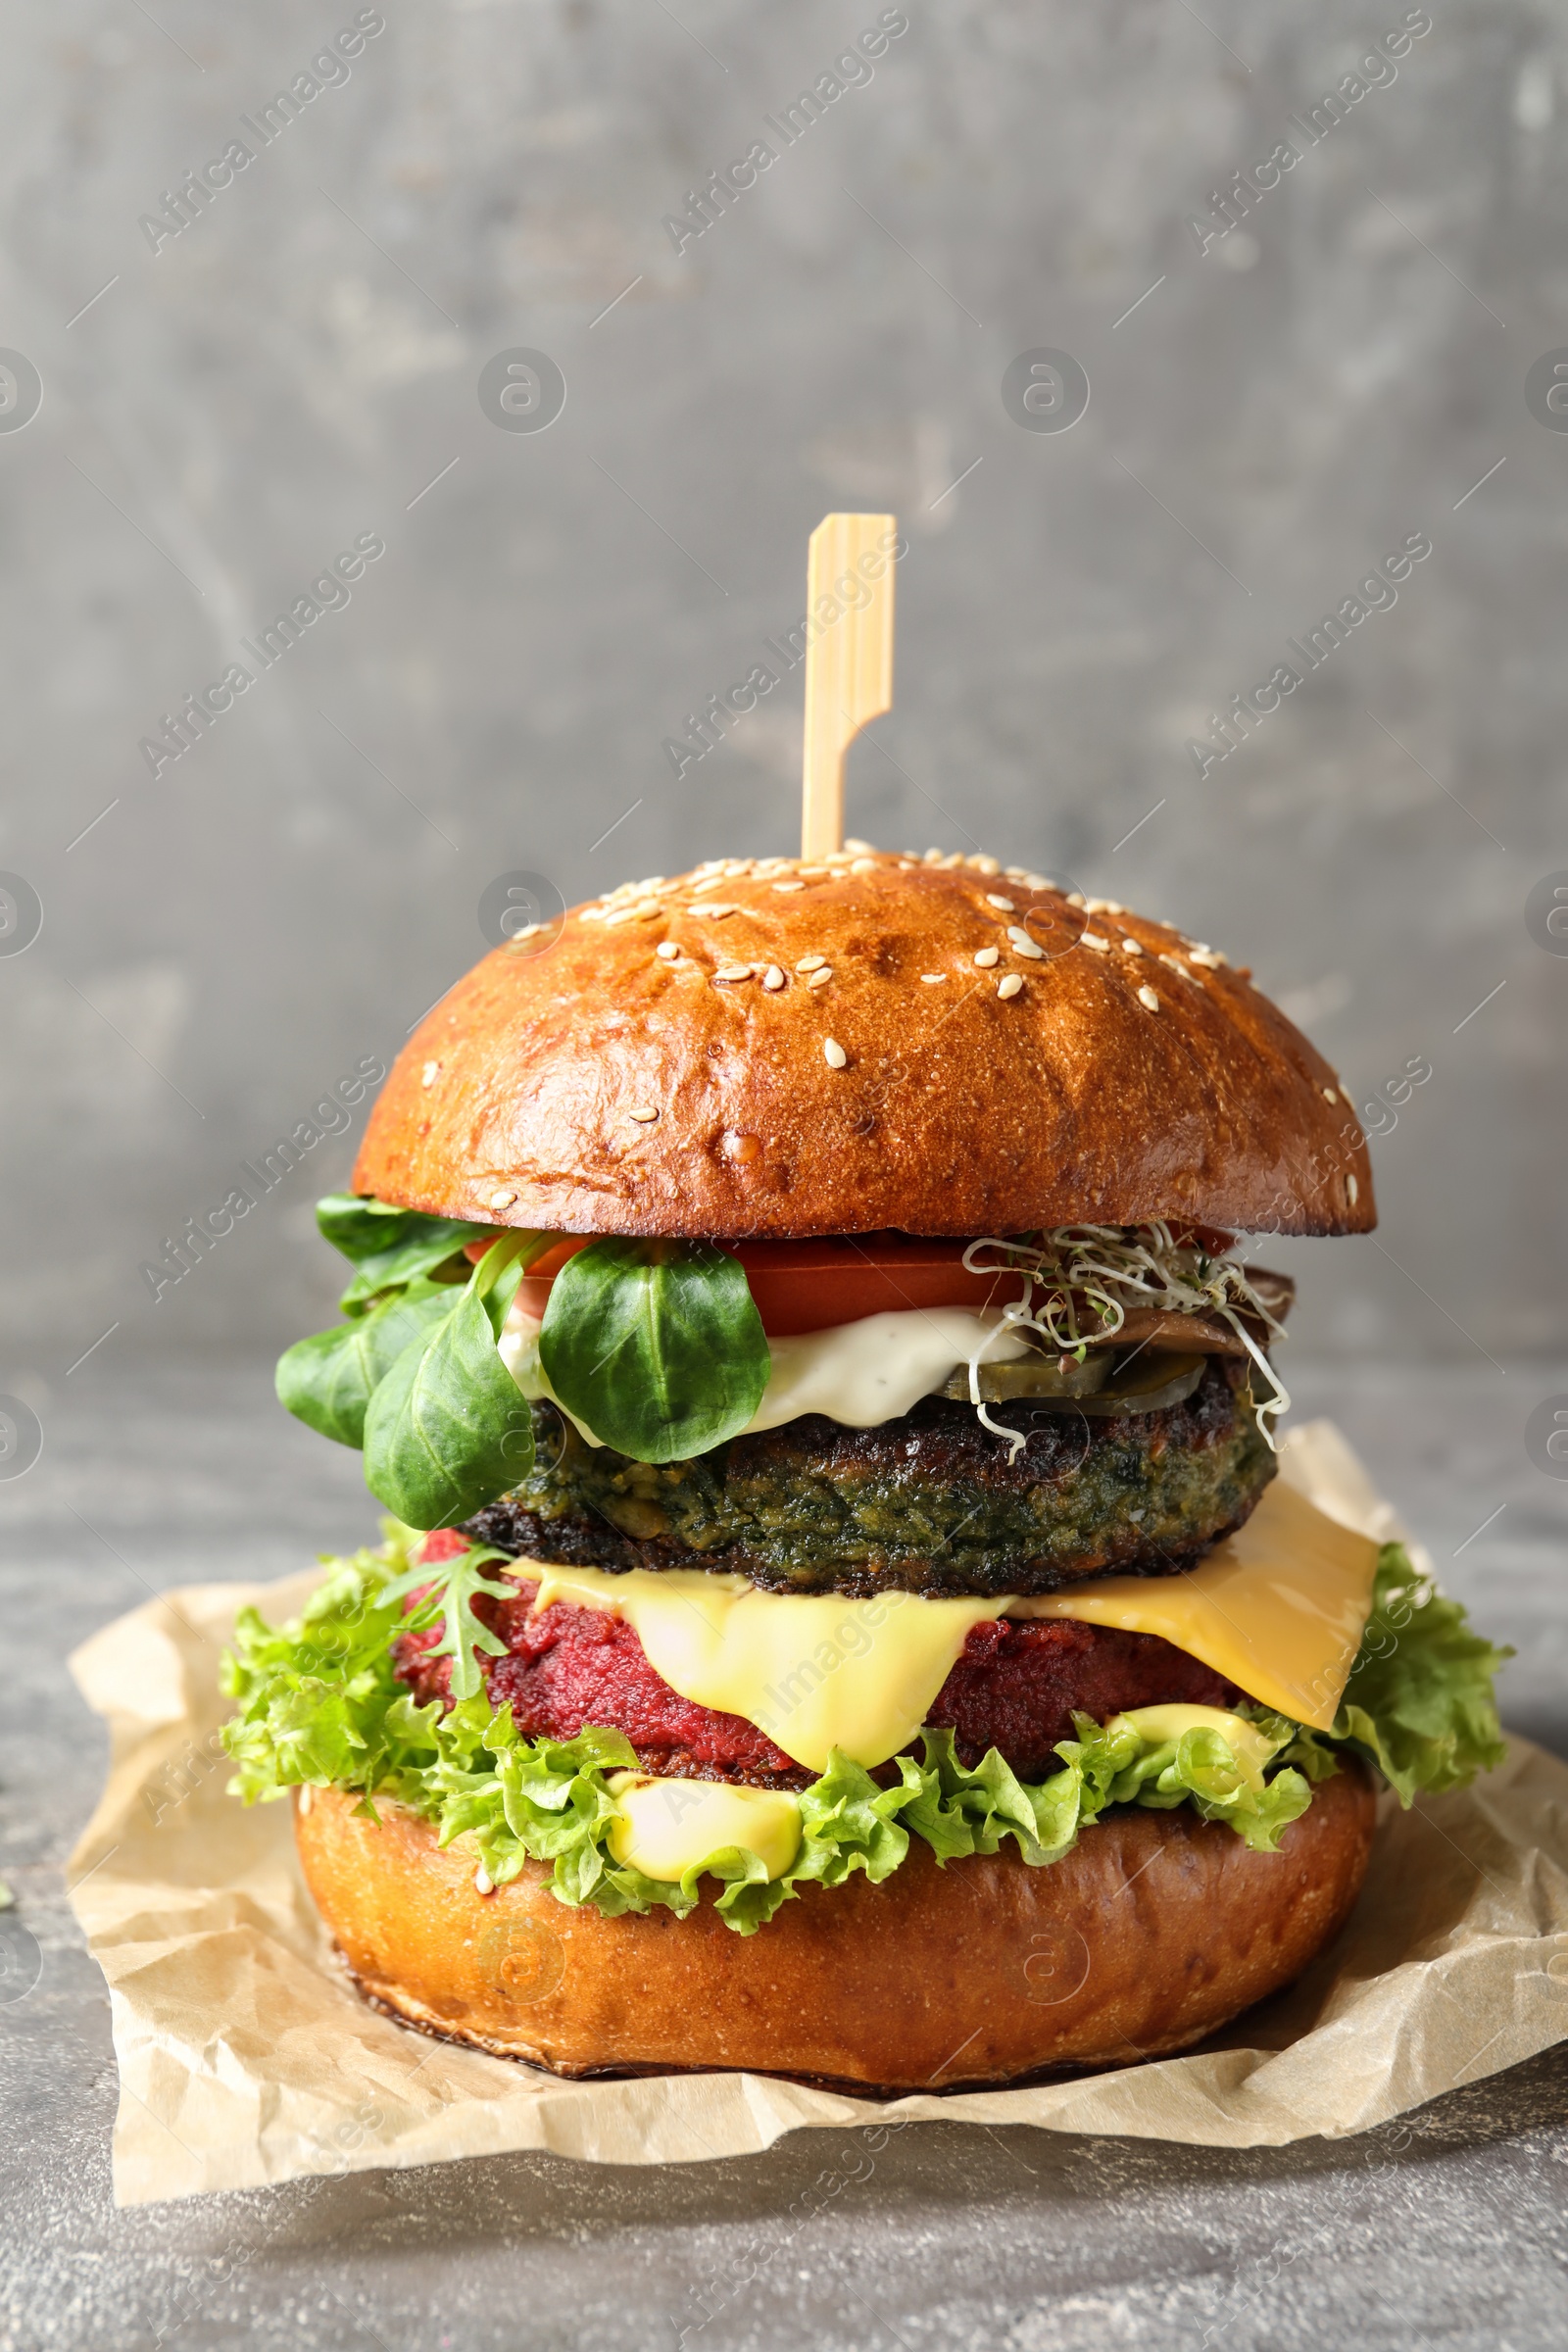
(319, 1704)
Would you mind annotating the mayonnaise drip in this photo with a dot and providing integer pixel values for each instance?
(861, 1374)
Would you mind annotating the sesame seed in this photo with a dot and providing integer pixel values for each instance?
(1005, 906)
(947, 863)
(1146, 996)
(528, 931)
(718, 912)
(783, 887)
(931, 978)
(1040, 882)
(669, 950)
(643, 1112)
(734, 866)
(863, 866)
(931, 857)
(811, 964)
(1329, 1096)
(1106, 907)
(1092, 939)
(1206, 957)
(1075, 898)
(483, 1883)
(1024, 945)
(859, 849)
(430, 1073)
(1010, 983)
(1175, 966)
(812, 873)
(733, 971)
(819, 979)
(985, 957)
(834, 1056)
(501, 1199)
(773, 978)
(1352, 1191)
(1132, 947)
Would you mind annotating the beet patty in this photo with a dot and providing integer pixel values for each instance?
(1016, 1688)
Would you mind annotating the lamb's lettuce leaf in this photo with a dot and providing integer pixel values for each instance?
(327, 1380)
(388, 1246)
(658, 1346)
(448, 1429)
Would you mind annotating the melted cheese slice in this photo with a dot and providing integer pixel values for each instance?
(813, 1671)
(1279, 1608)
(666, 1828)
(1161, 1726)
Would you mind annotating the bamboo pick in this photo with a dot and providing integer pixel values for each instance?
(849, 662)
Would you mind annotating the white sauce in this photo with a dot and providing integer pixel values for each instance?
(861, 1374)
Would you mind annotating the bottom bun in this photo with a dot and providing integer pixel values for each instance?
(1156, 1928)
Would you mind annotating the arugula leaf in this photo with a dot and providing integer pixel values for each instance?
(657, 1346)
(1419, 1700)
(448, 1429)
(327, 1380)
(452, 1585)
(389, 1247)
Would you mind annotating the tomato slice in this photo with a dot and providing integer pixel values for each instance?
(811, 1285)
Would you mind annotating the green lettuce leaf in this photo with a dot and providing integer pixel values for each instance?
(318, 1703)
(1419, 1701)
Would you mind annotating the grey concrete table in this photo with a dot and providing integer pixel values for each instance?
(1446, 2230)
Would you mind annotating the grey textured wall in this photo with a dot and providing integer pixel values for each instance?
(223, 942)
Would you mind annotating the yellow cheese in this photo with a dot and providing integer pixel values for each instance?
(1279, 1608)
(813, 1671)
(1157, 1726)
(664, 1827)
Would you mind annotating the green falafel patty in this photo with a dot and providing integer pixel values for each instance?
(931, 1502)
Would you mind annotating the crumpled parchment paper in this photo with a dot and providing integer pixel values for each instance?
(246, 2056)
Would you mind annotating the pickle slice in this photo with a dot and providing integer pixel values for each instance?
(1154, 1379)
(1034, 1375)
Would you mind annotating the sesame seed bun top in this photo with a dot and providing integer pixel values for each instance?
(778, 1048)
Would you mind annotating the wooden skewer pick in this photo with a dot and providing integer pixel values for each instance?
(848, 663)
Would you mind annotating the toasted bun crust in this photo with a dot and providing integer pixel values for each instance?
(1156, 1930)
(955, 1111)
